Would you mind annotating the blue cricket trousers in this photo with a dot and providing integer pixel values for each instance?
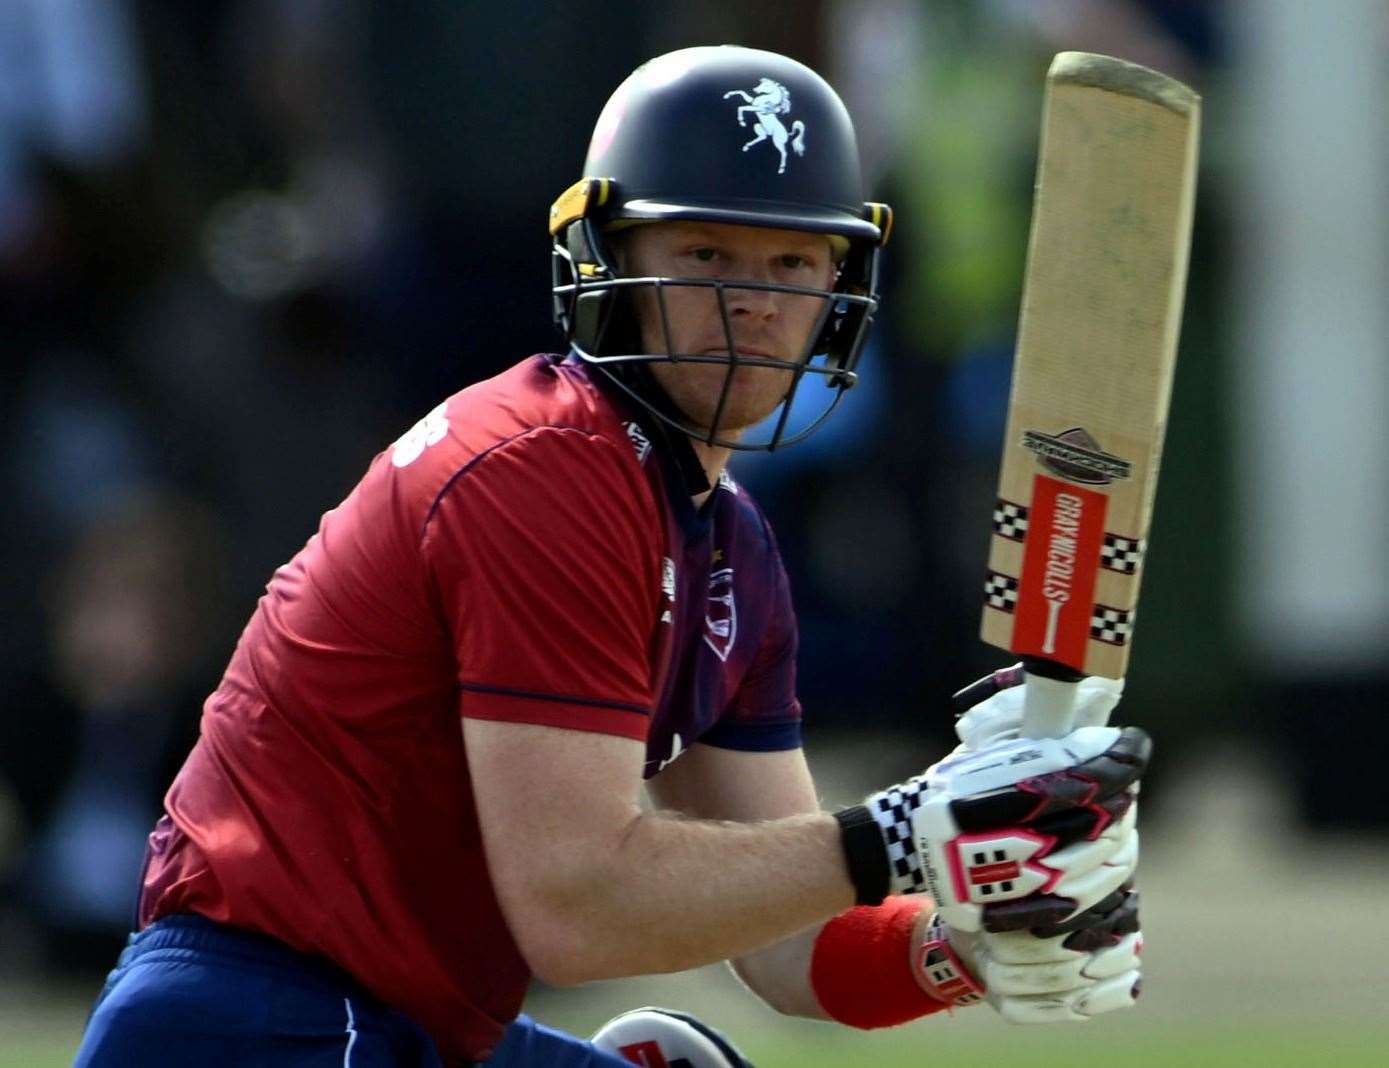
(188, 991)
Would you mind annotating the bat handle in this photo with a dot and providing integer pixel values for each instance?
(1049, 698)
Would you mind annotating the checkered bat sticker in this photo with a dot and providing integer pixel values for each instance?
(1023, 833)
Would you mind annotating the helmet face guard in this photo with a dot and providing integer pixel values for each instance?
(688, 103)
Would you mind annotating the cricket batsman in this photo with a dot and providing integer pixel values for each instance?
(418, 783)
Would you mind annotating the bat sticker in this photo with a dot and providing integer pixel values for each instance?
(1075, 455)
(1061, 561)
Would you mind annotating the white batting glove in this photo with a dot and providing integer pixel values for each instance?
(1087, 967)
(1021, 833)
(1079, 972)
(1072, 970)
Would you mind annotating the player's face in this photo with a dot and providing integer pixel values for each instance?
(763, 323)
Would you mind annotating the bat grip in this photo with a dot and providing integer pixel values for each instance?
(1049, 698)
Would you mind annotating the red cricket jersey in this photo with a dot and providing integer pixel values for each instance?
(524, 553)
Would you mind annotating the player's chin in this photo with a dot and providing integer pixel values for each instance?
(756, 393)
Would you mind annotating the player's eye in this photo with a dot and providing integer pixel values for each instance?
(705, 255)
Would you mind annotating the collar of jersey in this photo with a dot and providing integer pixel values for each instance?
(682, 475)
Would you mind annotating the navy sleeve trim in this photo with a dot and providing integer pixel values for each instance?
(558, 698)
(754, 737)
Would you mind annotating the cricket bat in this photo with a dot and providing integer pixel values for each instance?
(1097, 346)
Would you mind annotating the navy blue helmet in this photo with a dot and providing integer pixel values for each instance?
(727, 135)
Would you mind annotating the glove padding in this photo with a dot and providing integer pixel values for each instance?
(1090, 871)
(1072, 971)
(1021, 832)
(1084, 960)
(653, 1036)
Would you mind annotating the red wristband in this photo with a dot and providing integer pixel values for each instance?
(861, 967)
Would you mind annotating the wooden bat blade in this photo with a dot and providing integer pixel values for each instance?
(1097, 343)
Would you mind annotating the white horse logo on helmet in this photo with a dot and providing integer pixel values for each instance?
(767, 101)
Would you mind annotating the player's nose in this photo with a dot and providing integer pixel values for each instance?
(744, 302)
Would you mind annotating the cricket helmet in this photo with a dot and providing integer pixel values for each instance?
(719, 134)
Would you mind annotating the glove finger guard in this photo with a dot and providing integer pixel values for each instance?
(972, 858)
(1109, 930)
(1082, 824)
(1047, 977)
(1089, 888)
(1082, 1003)
(1116, 960)
(1117, 847)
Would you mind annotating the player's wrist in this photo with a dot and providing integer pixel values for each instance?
(860, 966)
(865, 854)
(898, 815)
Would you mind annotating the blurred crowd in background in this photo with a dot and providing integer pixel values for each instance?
(244, 244)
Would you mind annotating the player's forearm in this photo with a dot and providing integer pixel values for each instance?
(779, 974)
(671, 894)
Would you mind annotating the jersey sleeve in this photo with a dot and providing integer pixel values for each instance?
(544, 552)
(765, 714)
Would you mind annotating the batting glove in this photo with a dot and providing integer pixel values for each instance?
(653, 1036)
(1022, 833)
(1071, 971)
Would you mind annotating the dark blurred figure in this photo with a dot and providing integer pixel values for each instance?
(90, 740)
